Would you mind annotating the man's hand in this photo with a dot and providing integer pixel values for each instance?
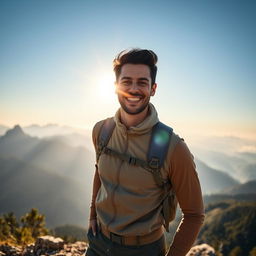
(94, 226)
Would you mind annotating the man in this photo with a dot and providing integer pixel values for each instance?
(126, 215)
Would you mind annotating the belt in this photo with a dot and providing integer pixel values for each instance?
(132, 240)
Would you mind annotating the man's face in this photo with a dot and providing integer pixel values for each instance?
(133, 88)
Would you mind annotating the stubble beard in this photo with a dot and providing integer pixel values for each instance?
(135, 111)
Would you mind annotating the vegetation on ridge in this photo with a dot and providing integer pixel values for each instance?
(26, 231)
(230, 228)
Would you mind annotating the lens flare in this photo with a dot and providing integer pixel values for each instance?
(161, 138)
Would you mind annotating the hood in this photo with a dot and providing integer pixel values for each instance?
(144, 127)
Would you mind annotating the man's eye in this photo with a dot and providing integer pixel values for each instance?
(142, 84)
(125, 83)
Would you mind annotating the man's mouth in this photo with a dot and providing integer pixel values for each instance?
(133, 99)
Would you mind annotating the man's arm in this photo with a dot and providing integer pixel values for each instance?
(96, 183)
(93, 214)
(186, 185)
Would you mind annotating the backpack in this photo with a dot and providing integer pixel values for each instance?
(161, 137)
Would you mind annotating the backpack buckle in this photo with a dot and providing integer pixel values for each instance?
(132, 160)
(116, 238)
(154, 163)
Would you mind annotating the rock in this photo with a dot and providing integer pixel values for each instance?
(6, 249)
(45, 246)
(201, 250)
(48, 245)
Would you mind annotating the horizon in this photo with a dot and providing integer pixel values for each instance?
(197, 135)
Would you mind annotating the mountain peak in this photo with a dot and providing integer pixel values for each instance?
(15, 131)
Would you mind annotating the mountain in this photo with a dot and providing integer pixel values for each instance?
(215, 198)
(15, 143)
(74, 140)
(55, 129)
(245, 188)
(213, 180)
(249, 171)
(71, 232)
(230, 226)
(51, 154)
(235, 156)
(47, 174)
(23, 186)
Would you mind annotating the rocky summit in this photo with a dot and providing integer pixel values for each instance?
(45, 245)
(49, 245)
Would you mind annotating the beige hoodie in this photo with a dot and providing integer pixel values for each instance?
(126, 199)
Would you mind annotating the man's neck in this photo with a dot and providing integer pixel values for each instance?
(133, 120)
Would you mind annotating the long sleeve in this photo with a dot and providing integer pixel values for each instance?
(96, 186)
(96, 179)
(186, 185)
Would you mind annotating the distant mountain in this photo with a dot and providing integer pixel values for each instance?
(235, 156)
(51, 154)
(23, 186)
(213, 180)
(71, 232)
(245, 188)
(51, 160)
(54, 129)
(230, 227)
(72, 136)
(215, 198)
(47, 174)
(74, 140)
(249, 171)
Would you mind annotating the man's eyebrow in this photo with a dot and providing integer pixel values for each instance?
(140, 79)
(143, 79)
(125, 77)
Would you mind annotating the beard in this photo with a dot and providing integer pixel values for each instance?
(130, 110)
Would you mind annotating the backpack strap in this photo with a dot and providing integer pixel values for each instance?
(158, 147)
(104, 135)
(159, 144)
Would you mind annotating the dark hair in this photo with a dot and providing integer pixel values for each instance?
(136, 56)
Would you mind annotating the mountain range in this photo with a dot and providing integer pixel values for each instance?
(47, 174)
(55, 173)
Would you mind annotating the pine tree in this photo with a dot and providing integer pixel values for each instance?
(34, 222)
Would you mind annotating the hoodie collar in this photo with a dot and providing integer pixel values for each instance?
(144, 127)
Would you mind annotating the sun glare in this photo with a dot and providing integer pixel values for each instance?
(105, 87)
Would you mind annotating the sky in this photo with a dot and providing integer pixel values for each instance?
(56, 61)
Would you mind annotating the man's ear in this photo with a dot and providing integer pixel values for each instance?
(153, 89)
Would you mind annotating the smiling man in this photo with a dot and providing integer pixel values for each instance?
(143, 168)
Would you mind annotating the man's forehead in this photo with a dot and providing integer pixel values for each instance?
(135, 70)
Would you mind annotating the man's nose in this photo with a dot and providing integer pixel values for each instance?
(134, 86)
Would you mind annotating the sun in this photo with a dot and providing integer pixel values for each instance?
(105, 88)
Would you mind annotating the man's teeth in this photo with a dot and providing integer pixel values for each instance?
(133, 99)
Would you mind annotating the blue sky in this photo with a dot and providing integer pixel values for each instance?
(56, 61)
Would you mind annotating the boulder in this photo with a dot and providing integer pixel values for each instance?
(201, 250)
(48, 244)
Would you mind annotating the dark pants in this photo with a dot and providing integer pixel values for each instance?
(100, 245)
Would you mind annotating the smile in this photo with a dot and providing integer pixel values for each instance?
(133, 99)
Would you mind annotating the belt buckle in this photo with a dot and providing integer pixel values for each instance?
(116, 238)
